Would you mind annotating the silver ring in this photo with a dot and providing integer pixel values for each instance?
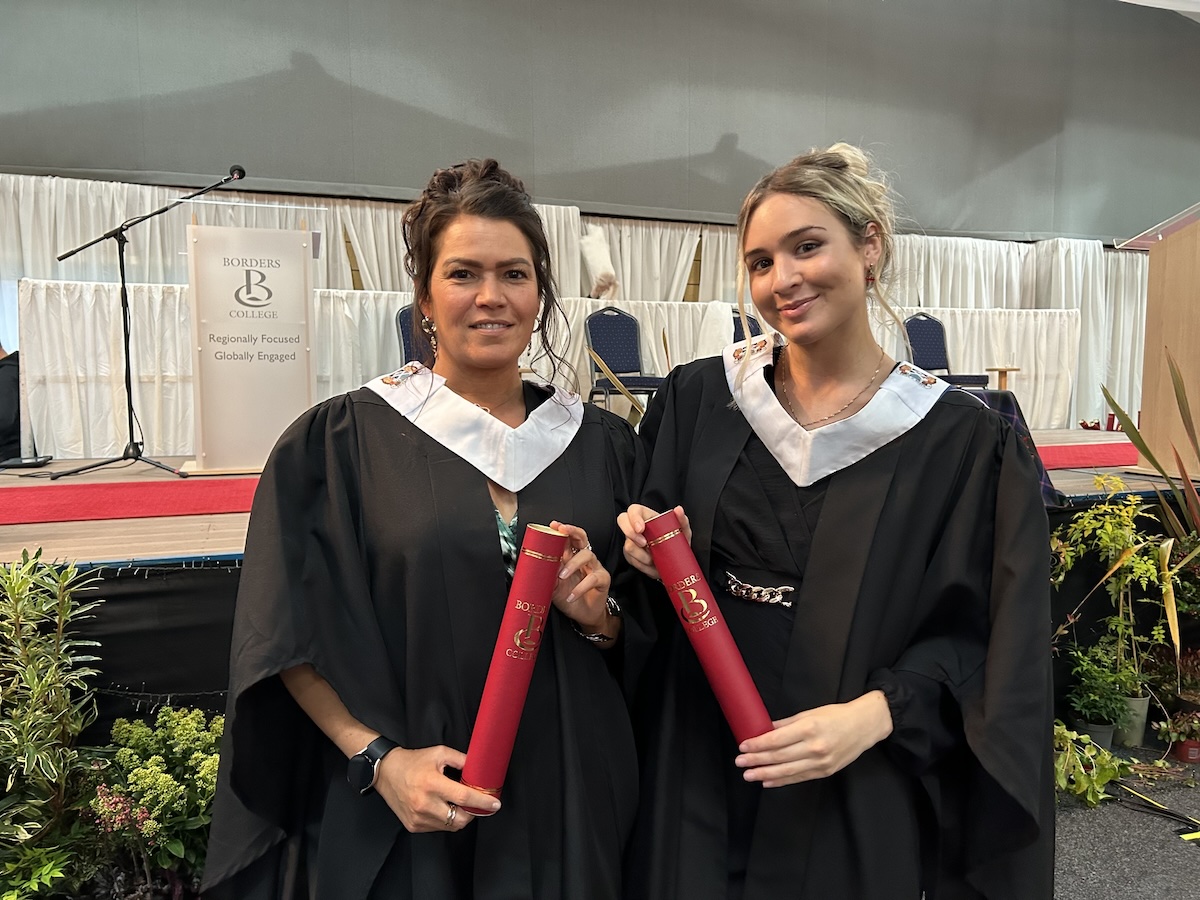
(450, 816)
(589, 546)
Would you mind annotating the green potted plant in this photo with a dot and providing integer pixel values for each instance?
(1182, 732)
(1111, 530)
(1098, 695)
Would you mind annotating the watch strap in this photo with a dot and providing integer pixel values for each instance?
(373, 754)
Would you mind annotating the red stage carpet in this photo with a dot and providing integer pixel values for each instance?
(125, 500)
(1088, 456)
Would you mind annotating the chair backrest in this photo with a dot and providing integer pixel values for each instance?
(928, 340)
(738, 334)
(404, 332)
(614, 335)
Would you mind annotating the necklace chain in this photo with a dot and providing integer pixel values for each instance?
(788, 400)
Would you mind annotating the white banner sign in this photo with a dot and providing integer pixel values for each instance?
(249, 290)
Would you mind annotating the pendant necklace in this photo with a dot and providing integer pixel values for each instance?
(788, 400)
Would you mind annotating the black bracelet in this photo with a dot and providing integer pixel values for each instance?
(613, 609)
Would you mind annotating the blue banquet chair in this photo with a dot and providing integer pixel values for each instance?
(928, 339)
(404, 332)
(738, 334)
(613, 335)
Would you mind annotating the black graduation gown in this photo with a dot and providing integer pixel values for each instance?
(373, 555)
(927, 577)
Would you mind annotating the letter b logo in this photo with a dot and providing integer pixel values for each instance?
(246, 294)
(692, 607)
(527, 638)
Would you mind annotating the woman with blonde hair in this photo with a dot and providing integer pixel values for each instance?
(877, 543)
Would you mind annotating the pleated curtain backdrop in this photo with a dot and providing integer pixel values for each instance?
(718, 263)
(42, 216)
(652, 259)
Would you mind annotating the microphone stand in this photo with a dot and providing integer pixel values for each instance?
(133, 449)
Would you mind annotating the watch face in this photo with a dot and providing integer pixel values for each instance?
(360, 773)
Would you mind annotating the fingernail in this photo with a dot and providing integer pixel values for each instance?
(494, 805)
(571, 597)
(562, 573)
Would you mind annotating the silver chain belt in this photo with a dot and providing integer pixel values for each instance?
(758, 594)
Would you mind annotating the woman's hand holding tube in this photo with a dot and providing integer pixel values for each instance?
(583, 585)
(414, 785)
(633, 523)
(816, 743)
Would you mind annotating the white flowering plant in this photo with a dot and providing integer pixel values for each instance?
(153, 798)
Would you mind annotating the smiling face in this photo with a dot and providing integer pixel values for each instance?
(806, 271)
(483, 297)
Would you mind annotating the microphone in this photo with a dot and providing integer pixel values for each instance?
(237, 172)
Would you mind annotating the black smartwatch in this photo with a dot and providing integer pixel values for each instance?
(364, 765)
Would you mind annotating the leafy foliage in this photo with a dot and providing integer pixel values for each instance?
(45, 703)
(118, 821)
(1183, 726)
(1082, 769)
(1098, 694)
(1184, 491)
(1111, 530)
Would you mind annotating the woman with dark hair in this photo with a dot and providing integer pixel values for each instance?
(878, 546)
(381, 545)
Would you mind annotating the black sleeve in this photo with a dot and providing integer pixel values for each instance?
(10, 410)
(303, 587)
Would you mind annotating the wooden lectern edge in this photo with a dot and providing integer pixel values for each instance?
(194, 471)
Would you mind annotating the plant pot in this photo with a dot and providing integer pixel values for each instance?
(1186, 704)
(1101, 735)
(1134, 732)
(1186, 751)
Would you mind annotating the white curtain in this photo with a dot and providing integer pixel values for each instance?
(1127, 276)
(356, 338)
(42, 217)
(563, 230)
(652, 259)
(377, 239)
(940, 272)
(72, 363)
(718, 263)
(1043, 343)
(1070, 275)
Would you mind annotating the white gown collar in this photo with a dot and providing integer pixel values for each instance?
(511, 457)
(902, 401)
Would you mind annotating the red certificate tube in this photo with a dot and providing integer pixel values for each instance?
(516, 651)
(706, 629)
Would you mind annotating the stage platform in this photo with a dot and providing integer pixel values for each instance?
(221, 537)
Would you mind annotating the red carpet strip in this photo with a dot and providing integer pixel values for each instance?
(1088, 456)
(125, 500)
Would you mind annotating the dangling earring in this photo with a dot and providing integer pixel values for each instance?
(430, 328)
(870, 276)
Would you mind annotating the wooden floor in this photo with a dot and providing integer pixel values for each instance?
(192, 537)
